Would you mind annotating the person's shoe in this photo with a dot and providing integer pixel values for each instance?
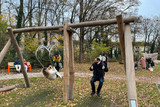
(98, 94)
(92, 93)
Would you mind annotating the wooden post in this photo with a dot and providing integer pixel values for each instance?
(130, 73)
(121, 35)
(5, 50)
(66, 64)
(71, 52)
(19, 55)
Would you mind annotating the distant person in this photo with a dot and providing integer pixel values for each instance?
(105, 61)
(98, 75)
(57, 61)
(25, 65)
(148, 62)
(143, 63)
(100, 57)
(136, 65)
(152, 63)
(17, 65)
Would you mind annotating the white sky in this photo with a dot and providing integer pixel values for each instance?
(149, 8)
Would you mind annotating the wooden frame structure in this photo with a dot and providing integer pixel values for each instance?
(68, 90)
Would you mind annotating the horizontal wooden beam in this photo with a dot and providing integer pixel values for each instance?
(76, 25)
(101, 22)
(68, 29)
(31, 29)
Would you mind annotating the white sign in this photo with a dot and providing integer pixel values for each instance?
(133, 103)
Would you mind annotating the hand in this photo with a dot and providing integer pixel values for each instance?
(103, 67)
(61, 69)
(91, 67)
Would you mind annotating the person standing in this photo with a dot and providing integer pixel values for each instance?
(98, 75)
(143, 63)
(25, 65)
(57, 61)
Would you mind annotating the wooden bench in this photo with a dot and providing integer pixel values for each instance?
(11, 66)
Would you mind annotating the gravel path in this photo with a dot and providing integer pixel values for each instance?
(107, 76)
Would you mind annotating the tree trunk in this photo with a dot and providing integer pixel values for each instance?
(19, 20)
(0, 7)
(30, 14)
(45, 32)
(39, 16)
(145, 40)
(81, 32)
(81, 44)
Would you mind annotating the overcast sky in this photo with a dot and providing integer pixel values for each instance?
(149, 8)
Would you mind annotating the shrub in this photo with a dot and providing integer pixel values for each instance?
(97, 49)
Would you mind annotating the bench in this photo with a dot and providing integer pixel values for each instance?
(11, 66)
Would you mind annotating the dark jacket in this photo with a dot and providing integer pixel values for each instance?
(97, 69)
(16, 62)
(148, 60)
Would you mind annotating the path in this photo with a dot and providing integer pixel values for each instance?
(107, 76)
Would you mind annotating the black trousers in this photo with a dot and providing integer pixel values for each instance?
(94, 79)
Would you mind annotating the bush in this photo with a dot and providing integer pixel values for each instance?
(96, 49)
(137, 56)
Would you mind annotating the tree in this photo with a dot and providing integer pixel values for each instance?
(150, 31)
(19, 20)
(96, 10)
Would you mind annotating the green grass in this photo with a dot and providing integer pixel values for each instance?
(44, 92)
(155, 73)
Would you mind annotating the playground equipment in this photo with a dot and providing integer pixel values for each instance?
(68, 90)
(49, 72)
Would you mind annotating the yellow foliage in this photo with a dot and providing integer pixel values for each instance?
(1, 16)
(8, 19)
(30, 44)
(60, 37)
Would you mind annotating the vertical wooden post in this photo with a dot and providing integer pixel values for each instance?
(66, 64)
(121, 35)
(130, 73)
(71, 52)
(19, 55)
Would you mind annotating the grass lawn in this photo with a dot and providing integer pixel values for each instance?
(44, 92)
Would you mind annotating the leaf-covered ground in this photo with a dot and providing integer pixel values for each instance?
(44, 92)
(114, 92)
(118, 69)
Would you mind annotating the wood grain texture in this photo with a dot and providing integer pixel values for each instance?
(71, 53)
(66, 64)
(19, 55)
(130, 72)
(121, 35)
